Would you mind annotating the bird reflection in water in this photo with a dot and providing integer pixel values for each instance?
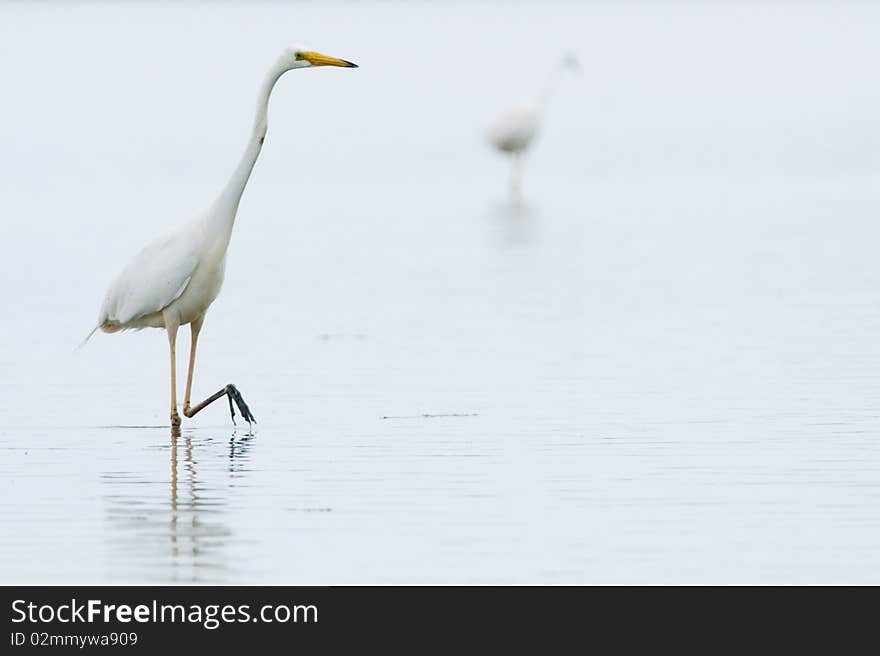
(176, 529)
(513, 222)
(175, 436)
(238, 451)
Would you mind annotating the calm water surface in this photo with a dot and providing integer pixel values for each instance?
(660, 366)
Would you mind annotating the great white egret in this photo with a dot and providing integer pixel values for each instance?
(513, 131)
(174, 279)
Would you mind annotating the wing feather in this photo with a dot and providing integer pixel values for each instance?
(155, 278)
(513, 130)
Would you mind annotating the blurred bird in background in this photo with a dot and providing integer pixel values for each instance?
(513, 132)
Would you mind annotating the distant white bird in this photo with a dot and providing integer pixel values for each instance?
(513, 131)
(174, 280)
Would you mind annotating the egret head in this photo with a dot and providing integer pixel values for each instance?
(298, 56)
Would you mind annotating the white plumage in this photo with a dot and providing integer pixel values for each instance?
(157, 277)
(513, 131)
(175, 278)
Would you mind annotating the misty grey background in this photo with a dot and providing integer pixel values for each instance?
(669, 350)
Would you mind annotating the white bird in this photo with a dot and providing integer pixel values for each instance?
(514, 131)
(173, 280)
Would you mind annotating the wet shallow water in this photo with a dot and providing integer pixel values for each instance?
(659, 367)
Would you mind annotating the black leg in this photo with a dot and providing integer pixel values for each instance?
(233, 395)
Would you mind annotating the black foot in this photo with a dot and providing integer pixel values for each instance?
(233, 394)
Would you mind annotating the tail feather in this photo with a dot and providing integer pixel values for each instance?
(88, 337)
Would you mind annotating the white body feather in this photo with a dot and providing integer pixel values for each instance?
(513, 131)
(182, 271)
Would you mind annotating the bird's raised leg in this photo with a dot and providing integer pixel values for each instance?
(230, 391)
(233, 395)
(172, 323)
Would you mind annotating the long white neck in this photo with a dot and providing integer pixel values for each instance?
(221, 217)
(549, 88)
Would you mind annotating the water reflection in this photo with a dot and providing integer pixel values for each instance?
(513, 222)
(175, 513)
(175, 529)
(238, 452)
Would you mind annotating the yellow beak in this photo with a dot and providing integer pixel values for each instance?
(317, 59)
